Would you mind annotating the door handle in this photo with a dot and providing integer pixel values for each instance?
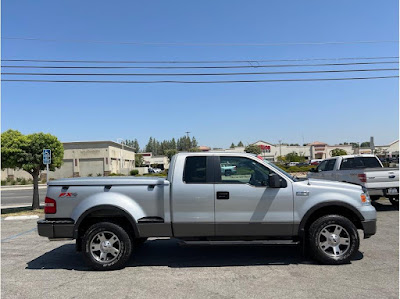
(222, 195)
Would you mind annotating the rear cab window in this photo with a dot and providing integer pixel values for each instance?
(195, 170)
(359, 163)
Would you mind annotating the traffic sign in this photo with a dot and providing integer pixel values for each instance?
(46, 156)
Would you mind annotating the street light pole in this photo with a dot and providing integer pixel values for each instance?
(120, 154)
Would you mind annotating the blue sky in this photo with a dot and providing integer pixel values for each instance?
(216, 114)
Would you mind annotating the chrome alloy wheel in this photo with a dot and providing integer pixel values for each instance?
(334, 240)
(105, 247)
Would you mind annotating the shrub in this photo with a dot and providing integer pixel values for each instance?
(23, 181)
(99, 174)
(3, 182)
(116, 174)
(90, 174)
(134, 172)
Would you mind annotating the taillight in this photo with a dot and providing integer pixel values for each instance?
(50, 206)
(362, 177)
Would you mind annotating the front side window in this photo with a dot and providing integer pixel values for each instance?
(195, 170)
(240, 170)
(330, 165)
(322, 166)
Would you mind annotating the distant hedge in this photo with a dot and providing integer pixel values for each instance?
(305, 168)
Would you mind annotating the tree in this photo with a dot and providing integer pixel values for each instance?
(170, 153)
(281, 159)
(149, 146)
(365, 144)
(252, 148)
(240, 144)
(26, 152)
(139, 160)
(294, 157)
(232, 145)
(338, 152)
(133, 143)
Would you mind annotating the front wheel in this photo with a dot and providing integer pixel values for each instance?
(106, 246)
(333, 240)
(394, 201)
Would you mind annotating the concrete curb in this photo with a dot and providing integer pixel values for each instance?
(26, 217)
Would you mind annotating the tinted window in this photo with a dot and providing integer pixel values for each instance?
(195, 170)
(240, 170)
(322, 165)
(330, 165)
(360, 162)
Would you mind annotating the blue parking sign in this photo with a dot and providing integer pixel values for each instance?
(46, 156)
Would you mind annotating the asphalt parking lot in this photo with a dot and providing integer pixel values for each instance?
(33, 267)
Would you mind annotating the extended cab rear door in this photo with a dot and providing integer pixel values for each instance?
(192, 194)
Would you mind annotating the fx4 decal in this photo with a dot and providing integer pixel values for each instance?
(67, 194)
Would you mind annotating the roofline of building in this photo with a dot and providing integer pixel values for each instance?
(119, 145)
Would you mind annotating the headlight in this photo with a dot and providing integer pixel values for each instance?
(365, 200)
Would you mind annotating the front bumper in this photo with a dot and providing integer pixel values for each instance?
(369, 227)
(56, 229)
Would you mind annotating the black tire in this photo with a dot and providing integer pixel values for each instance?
(341, 253)
(137, 242)
(124, 246)
(228, 172)
(394, 201)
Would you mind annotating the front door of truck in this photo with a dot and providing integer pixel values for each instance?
(244, 203)
(193, 197)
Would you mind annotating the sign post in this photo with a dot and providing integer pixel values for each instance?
(47, 161)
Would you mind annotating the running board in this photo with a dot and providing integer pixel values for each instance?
(254, 242)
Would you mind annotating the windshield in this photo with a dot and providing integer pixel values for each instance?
(281, 170)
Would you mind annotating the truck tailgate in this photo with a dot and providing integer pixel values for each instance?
(382, 178)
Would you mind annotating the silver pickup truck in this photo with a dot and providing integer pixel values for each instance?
(364, 170)
(198, 203)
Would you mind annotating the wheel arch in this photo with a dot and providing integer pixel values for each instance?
(101, 213)
(329, 208)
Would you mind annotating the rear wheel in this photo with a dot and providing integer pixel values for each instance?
(106, 246)
(333, 239)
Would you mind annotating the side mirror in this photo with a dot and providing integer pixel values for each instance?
(313, 170)
(275, 181)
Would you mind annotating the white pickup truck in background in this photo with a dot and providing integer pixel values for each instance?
(364, 170)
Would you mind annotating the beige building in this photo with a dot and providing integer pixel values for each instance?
(161, 162)
(88, 158)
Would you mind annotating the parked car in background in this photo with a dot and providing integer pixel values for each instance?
(111, 216)
(315, 161)
(228, 169)
(364, 170)
(292, 163)
(154, 170)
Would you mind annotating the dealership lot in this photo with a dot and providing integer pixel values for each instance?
(33, 267)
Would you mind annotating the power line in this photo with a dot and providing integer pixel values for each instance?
(199, 74)
(199, 67)
(193, 61)
(200, 82)
(201, 44)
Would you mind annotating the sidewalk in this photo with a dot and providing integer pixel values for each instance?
(21, 187)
